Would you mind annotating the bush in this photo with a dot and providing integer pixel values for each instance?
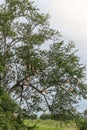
(81, 122)
(45, 116)
(33, 116)
(82, 125)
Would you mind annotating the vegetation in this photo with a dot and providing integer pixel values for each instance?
(8, 107)
(81, 120)
(46, 116)
(32, 79)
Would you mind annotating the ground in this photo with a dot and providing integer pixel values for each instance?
(49, 125)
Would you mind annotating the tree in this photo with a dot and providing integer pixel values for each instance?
(64, 79)
(33, 77)
(22, 30)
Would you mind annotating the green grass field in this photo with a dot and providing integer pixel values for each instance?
(49, 125)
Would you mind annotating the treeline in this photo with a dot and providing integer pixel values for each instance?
(57, 117)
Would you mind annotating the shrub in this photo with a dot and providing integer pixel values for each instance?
(81, 122)
(45, 116)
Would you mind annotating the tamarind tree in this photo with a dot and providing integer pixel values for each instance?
(32, 76)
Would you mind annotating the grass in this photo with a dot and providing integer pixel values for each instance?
(49, 125)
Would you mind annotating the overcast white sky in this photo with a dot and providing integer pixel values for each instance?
(70, 18)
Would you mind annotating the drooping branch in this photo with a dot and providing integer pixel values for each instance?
(32, 86)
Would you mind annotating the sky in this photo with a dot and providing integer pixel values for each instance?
(70, 18)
